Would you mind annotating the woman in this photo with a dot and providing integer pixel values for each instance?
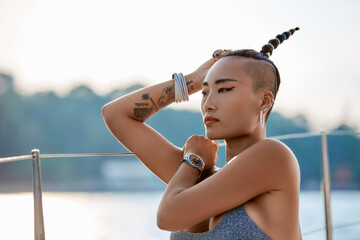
(256, 194)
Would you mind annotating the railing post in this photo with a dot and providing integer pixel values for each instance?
(37, 191)
(326, 185)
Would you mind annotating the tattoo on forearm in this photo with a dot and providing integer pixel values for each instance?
(166, 96)
(144, 110)
(191, 87)
(141, 104)
(142, 113)
(146, 96)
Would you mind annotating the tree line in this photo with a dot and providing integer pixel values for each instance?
(73, 124)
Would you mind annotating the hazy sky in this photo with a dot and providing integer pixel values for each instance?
(59, 44)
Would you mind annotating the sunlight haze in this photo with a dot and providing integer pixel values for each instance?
(56, 45)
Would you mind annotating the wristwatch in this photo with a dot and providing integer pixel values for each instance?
(194, 161)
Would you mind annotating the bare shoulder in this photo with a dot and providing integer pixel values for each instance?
(275, 145)
(268, 153)
(275, 150)
(276, 157)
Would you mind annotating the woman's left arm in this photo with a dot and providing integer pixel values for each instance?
(187, 176)
(265, 166)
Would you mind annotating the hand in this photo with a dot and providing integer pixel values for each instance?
(200, 73)
(204, 148)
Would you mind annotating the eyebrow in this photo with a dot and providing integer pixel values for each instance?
(219, 81)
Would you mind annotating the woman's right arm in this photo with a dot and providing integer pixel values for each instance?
(126, 115)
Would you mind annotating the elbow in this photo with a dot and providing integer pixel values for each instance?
(108, 117)
(161, 222)
(105, 111)
(166, 222)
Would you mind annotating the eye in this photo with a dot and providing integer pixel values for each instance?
(204, 93)
(224, 89)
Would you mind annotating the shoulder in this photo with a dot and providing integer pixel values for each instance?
(272, 149)
(273, 159)
(273, 144)
(282, 158)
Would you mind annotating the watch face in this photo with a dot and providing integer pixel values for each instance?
(196, 160)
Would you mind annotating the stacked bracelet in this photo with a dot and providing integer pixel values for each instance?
(181, 91)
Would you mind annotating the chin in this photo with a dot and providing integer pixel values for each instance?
(211, 135)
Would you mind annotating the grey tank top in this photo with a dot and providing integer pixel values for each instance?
(235, 225)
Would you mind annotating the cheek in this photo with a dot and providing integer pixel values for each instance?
(202, 108)
(242, 112)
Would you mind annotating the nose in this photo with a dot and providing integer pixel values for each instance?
(209, 103)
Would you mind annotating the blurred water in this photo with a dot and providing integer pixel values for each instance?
(345, 209)
(108, 216)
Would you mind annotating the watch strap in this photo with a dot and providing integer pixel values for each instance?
(185, 159)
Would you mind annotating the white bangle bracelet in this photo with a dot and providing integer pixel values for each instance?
(181, 91)
(184, 89)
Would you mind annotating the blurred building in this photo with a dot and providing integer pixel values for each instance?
(129, 173)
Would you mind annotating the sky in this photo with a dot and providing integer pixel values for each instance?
(56, 45)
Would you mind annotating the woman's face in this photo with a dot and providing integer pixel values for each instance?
(230, 107)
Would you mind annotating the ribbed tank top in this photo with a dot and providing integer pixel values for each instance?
(235, 225)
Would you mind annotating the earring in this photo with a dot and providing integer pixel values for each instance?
(262, 116)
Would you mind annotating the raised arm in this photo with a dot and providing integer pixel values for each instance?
(126, 115)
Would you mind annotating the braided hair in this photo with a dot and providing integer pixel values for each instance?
(268, 48)
(264, 72)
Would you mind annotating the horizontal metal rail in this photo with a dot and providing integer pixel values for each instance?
(15, 158)
(315, 134)
(280, 137)
(296, 135)
(26, 157)
(84, 155)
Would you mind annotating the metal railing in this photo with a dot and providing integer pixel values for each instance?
(39, 229)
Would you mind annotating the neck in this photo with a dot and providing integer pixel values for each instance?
(236, 145)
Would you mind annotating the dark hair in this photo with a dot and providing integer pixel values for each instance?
(263, 56)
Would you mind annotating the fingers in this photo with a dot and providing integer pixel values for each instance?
(217, 54)
(220, 53)
(199, 143)
(217, 142)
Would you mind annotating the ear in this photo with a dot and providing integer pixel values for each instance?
(267, 99)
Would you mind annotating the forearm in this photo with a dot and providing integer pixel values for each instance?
(142, 104)
(176, 208)
(185, 178)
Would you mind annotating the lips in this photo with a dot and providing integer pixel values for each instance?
(210, 120)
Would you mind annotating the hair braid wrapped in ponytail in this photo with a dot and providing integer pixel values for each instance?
(264, 75)
(268, 48)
